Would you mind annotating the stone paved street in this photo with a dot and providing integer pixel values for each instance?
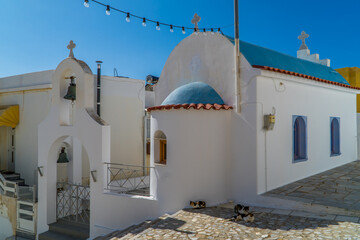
(338, 187)
(214, 223)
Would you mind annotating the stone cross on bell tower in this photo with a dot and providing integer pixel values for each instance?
(71, 46)
(302, 37)
(196, 20)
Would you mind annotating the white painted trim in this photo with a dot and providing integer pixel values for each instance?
(28, 88)
(291, 78)
(152, 198)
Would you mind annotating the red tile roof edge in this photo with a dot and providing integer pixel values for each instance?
(304, 76)
(199, 106)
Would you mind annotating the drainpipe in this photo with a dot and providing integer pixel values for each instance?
(98, 87)
(145, 143)
(237, 57)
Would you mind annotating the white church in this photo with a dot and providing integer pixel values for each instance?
(111, 154)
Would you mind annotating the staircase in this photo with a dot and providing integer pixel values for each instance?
(12, 185)
(63, 230)
(13, 177)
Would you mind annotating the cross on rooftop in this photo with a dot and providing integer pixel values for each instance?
(302, 37)
(196, 20)
(71, 46)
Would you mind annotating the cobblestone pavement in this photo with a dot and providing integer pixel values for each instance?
(338, 187)
(214, 223)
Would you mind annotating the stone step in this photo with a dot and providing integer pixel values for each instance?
(70, 229)
(49, 235)
(11, 176)
(19, 181)
(25, 235)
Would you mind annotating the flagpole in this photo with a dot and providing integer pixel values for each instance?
(237, 57)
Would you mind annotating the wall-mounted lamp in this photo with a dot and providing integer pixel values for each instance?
(40, 171)
(93, 175)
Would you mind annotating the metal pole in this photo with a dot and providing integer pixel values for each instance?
(98, 87)
(237, 57)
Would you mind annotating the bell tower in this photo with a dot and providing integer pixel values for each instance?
(71, 122)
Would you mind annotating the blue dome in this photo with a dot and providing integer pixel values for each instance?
(196, 92)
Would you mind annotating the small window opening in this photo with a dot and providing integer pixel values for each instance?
(299, 138)
(335, 136)
(160, 144)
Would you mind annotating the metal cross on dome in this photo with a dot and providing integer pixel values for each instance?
(71, 46)
(302, 37)
(196, 20)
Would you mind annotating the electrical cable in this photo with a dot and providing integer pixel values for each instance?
(158, 23)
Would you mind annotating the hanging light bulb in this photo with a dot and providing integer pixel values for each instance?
(86, 3)
(107, 10)
(171, 28)
(127, 17)
(144, 22)
(212, 31)
(158, 26)
(183, 30)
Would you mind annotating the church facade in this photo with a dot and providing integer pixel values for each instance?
(296, 118)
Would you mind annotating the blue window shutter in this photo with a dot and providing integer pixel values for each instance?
(334, 136)
(299, 138)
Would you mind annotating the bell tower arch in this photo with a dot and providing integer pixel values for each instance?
(74, 117)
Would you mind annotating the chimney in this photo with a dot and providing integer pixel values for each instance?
(304, 52)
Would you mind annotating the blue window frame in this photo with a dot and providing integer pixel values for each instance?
(299, 138)
(334, 136)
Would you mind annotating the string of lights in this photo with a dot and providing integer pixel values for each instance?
(158, 24)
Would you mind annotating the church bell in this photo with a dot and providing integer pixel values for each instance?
(71, 93)
(62, 157)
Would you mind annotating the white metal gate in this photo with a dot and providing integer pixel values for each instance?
(73, 203)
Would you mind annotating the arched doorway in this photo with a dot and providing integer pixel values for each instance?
(72, 186)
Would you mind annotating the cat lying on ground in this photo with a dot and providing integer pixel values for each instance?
(243, 213)
(240, 209)
(198, 204)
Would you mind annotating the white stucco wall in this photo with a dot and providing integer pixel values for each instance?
(149, 99)
(34, 104)
(200, 58)
(123, 107)
(197, 157)
(317, 101)
(26, 80)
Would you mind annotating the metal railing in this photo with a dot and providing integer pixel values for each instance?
(25, 204)
(8, 188)
(73, 202)
(128, 179)
(26, 209)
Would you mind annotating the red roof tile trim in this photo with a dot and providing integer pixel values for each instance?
(304, 76)
(191, 106)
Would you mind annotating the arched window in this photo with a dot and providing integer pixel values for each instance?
(335, 136)
(299, 138)
(160, 145)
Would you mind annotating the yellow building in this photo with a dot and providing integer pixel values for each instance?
(352, 75)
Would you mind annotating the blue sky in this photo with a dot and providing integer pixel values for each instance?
(34, 33)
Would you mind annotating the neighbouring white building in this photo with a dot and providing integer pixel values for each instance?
(297, 118)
